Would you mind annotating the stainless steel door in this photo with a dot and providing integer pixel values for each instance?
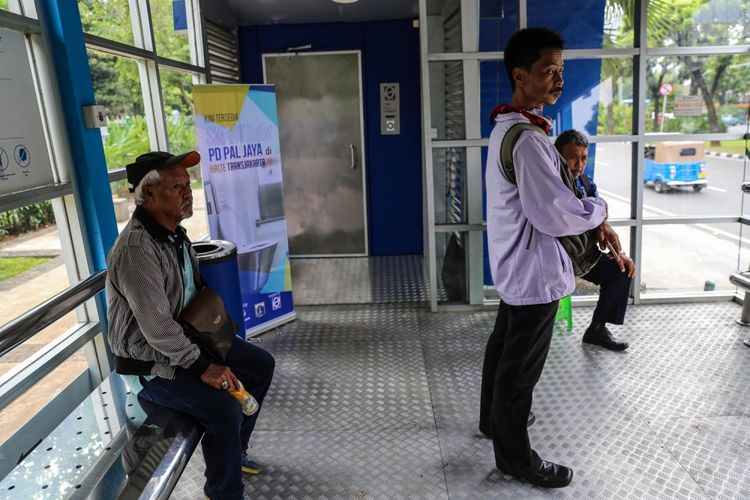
(319, 103)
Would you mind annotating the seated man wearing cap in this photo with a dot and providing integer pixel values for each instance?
(152, 274)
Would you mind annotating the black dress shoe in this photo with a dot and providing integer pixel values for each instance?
(603, 337)
(746, 341)
(549, 475)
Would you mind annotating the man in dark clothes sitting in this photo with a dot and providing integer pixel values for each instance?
(614, 284)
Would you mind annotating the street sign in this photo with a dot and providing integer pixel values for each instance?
(688, 105)
(665, 89)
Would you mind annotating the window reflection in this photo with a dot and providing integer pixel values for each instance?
(586, 25)
(31, 265)
(452, 250)
(98, 18)
(196, 226)
(610, 167)
(117, 87)
(597, 100)
(680, 258)
(712, 22)
(171, 29)
(681, 179)
(697, 94)
(449, 173)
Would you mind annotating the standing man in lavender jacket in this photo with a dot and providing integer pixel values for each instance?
(530, 268)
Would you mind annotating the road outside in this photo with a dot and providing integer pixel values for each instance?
(680, 258)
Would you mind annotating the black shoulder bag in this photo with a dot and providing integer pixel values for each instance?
(207, 323)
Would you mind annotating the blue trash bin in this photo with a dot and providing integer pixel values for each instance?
(218, 268)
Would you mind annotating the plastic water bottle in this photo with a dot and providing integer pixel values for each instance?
(247, 401)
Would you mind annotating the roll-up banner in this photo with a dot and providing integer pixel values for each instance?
(238, 139)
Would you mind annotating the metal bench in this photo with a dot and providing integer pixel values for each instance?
(110, 446)
(742, 280)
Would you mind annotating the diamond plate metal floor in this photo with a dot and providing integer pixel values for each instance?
(382, 401)
(362, 280)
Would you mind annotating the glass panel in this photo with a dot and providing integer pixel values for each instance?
(704, 94)
(688, 258)
(447, 100)
(117, 87)
(123, 201)
(449, 174)
(597, 100)
(586, 25)
(497, 23)
(177, 92)
(741, 149)
(108, 19)
(444, 25)
(451, 267)
(196, 226)
(34, 399)
(170, 28)
(744, 260)
(31, 265)
(494, 89)
(680, 179)
(610, 167)
(711, 22)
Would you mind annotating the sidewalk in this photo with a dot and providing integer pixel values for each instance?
(722, 154)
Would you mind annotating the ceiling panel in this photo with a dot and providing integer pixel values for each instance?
(254, 12)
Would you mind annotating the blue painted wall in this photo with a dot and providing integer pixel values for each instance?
(390, 53)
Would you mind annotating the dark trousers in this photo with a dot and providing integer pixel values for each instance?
(513, 362)
(614, 286)
(227, 428)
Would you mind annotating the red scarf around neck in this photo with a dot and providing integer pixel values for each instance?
(543, 122)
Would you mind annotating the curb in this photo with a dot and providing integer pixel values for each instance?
(736, 156)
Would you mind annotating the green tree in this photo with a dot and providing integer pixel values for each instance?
(720, 22)
(683, 23)
(117, 80)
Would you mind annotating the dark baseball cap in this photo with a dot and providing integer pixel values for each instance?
(156, 160)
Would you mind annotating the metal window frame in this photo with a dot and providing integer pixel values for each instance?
(17, 22)
(144, 53)
(87, 333)
(638, 54)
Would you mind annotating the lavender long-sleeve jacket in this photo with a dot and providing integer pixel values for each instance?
(529, 264)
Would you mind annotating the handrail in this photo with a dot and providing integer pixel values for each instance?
(24, 327)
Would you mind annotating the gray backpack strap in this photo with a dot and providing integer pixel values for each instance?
(581, 248)
(506, 148)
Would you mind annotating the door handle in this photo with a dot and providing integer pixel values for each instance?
(353, 150)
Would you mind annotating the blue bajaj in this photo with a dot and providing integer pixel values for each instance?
(671, 165)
